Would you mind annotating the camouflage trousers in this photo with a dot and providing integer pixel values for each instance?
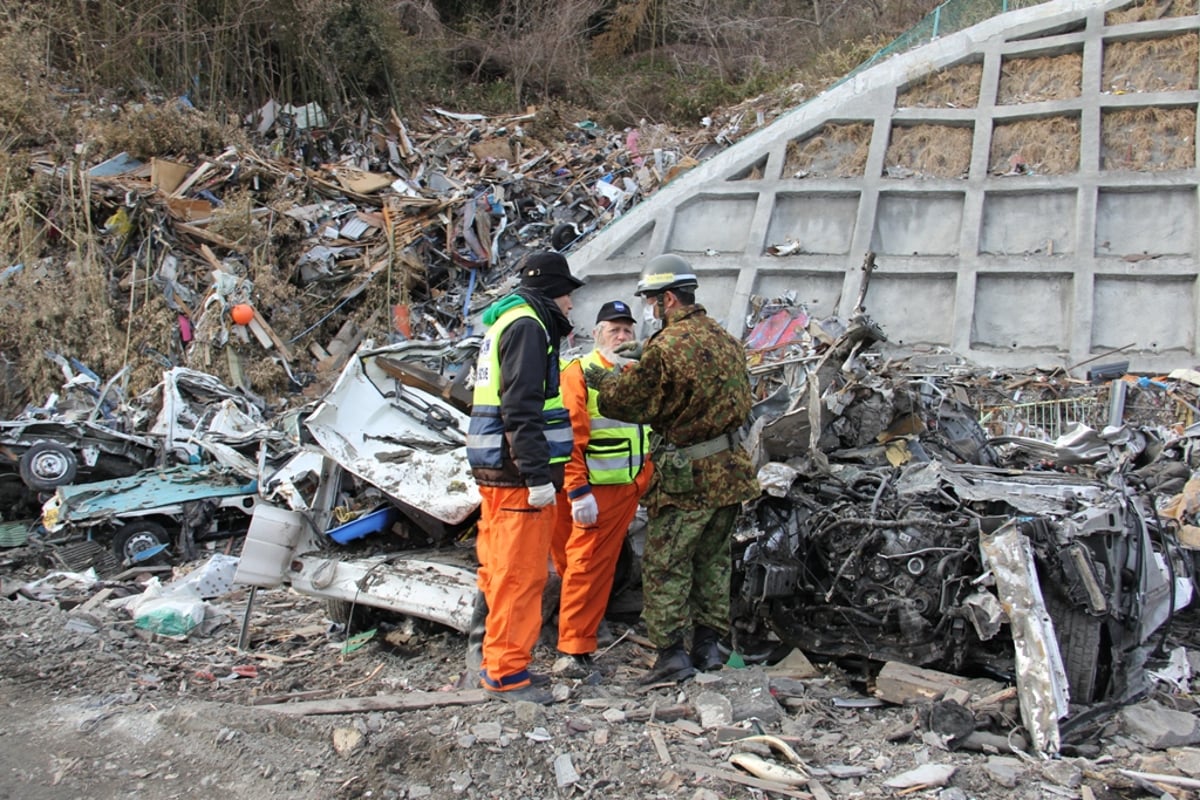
(686, 571)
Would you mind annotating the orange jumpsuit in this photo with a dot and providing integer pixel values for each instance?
(586, 556)
(511, 544)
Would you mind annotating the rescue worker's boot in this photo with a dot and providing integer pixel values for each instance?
(672, 666)
(475, 635)
(706, 652)
(526, 694)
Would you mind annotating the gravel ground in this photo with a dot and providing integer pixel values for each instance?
(96, 708)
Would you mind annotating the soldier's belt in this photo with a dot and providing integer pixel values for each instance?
(707, 448)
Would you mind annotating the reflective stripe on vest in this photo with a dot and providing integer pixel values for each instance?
(485, 436)
(616, 451)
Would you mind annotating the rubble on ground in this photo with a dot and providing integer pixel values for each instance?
(957, 578)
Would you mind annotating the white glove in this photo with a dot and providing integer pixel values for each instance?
(541, 496)
(584, 510)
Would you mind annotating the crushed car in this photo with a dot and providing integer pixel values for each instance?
(218, 449)
(76, 434)
(892, 526)
(143, 515)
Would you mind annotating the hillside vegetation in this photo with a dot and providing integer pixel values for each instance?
(81, 81)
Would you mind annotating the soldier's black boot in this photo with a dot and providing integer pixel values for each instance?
(706, 653)
(672, 665)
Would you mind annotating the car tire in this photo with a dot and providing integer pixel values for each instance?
(47, 465)
(138, 537)
(1079, 638)
(354, 617)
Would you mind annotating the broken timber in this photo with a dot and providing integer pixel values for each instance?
(904, 684)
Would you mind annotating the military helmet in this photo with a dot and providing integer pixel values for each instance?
(664, 273)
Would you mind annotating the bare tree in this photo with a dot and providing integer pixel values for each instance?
(537, 42)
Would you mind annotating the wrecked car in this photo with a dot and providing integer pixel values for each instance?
(368, 514)
(77, 434)
(886, 531)
(48, 453)
(145, 514)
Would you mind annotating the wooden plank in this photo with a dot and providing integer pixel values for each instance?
(1162, 778)
(343, 345)
(903, 683)
(280, 345)
(219, 241)
(192, 179)
(260, 333)
(166, 174)
(746, 780)
(425, 379)
(660, 745)
(413, 701)
(818, 791)
(96, 599)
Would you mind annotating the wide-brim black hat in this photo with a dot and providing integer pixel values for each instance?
(549, 273)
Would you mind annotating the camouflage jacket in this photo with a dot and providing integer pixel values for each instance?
(690, 385)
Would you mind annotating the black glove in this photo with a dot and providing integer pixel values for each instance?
(594, 375)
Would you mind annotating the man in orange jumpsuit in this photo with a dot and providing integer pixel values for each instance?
(605, 478)
(517, 443)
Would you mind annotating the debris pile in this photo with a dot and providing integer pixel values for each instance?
(324, 234)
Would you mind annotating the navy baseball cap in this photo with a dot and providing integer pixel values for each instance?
(615, 309)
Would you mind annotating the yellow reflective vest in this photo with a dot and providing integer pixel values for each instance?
(616, 451)
(485, 436)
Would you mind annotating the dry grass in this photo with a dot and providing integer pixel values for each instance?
(1148, 139)
(163, 130)
(954, 87)
(1033, 80)
(31, 112)
(1046, 146)
(928, 151)
(836, 150)
(1149, 10)
(1151, 65)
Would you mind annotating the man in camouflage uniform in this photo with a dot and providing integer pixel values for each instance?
(690, 385)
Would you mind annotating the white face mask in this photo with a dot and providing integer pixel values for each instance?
(649, 323)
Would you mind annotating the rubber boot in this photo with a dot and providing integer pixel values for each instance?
(672, 666)
(475, 635)
(526, 694)
(706, 653)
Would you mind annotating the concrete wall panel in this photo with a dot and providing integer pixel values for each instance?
(1039, 207)
(821, 224)
(1155, 315)
(713, 223)
(818, 291)
(1015, 224)
(1015, 311)
(914, 309)
(1157, 223)
(919, 225)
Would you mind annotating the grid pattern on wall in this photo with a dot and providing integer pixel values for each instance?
(1029, 187)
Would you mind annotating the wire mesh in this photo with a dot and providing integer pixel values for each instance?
(947, 18)
(1043, 419)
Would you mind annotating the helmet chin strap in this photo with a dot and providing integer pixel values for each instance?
(661, 305)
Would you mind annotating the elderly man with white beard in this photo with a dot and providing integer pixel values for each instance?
(605, 478)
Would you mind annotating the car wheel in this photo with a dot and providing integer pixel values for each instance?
(1079, 642)
(353, 616)
(48, 465)
(140, 541)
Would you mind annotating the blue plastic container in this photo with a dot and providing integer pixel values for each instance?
(378, 520)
